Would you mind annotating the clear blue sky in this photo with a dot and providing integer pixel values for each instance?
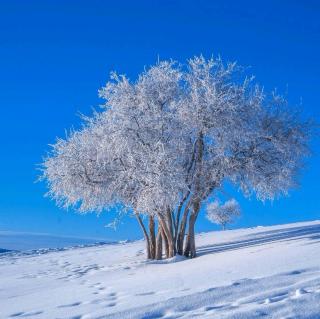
(55, 55)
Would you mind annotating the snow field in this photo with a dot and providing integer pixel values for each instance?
(263, 272)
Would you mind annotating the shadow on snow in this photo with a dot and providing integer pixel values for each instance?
(310, 232)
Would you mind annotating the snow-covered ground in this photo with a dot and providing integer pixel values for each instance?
(270, 272)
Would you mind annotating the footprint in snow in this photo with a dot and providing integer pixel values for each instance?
(70, 305)
(299, 292)
(26, 314)
(100, 291)
(146, 293)
(294, 272)
(110, 299)
(111, 296)
(17, 314)
(275, 298)
(261, 313)
(210, 308)
(240, 281)
(99, 301)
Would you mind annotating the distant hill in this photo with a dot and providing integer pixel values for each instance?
(4, 250)
(20, 241)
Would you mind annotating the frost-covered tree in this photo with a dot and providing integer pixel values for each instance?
(238, 134)
(126, 154)
(223, 214)
(164, 143)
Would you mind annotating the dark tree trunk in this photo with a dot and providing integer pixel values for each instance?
(186, 250)
(177, 222)
(167, 234)
(171, 250)
(145, 234)
(159, 244)
(171, 232)
(152, 238)
(181, 235)
(166, 245)
(176, 226)
(190, 249)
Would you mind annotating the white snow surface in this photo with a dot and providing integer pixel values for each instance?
(262, 272)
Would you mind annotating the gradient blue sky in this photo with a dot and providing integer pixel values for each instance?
(55, 55)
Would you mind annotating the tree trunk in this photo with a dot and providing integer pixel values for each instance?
(186, 250)
(171, 230)
(177, 222)
(159, 244)
(146, 237)
(170, 244)
(167, 233)
(172, 251)
(165, 243)
(180, 239)
(190, 249)
(152, 237)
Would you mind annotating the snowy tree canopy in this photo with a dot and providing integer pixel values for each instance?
(165, 142)
(223, 214)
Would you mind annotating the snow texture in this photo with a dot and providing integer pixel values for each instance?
(262, 272)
